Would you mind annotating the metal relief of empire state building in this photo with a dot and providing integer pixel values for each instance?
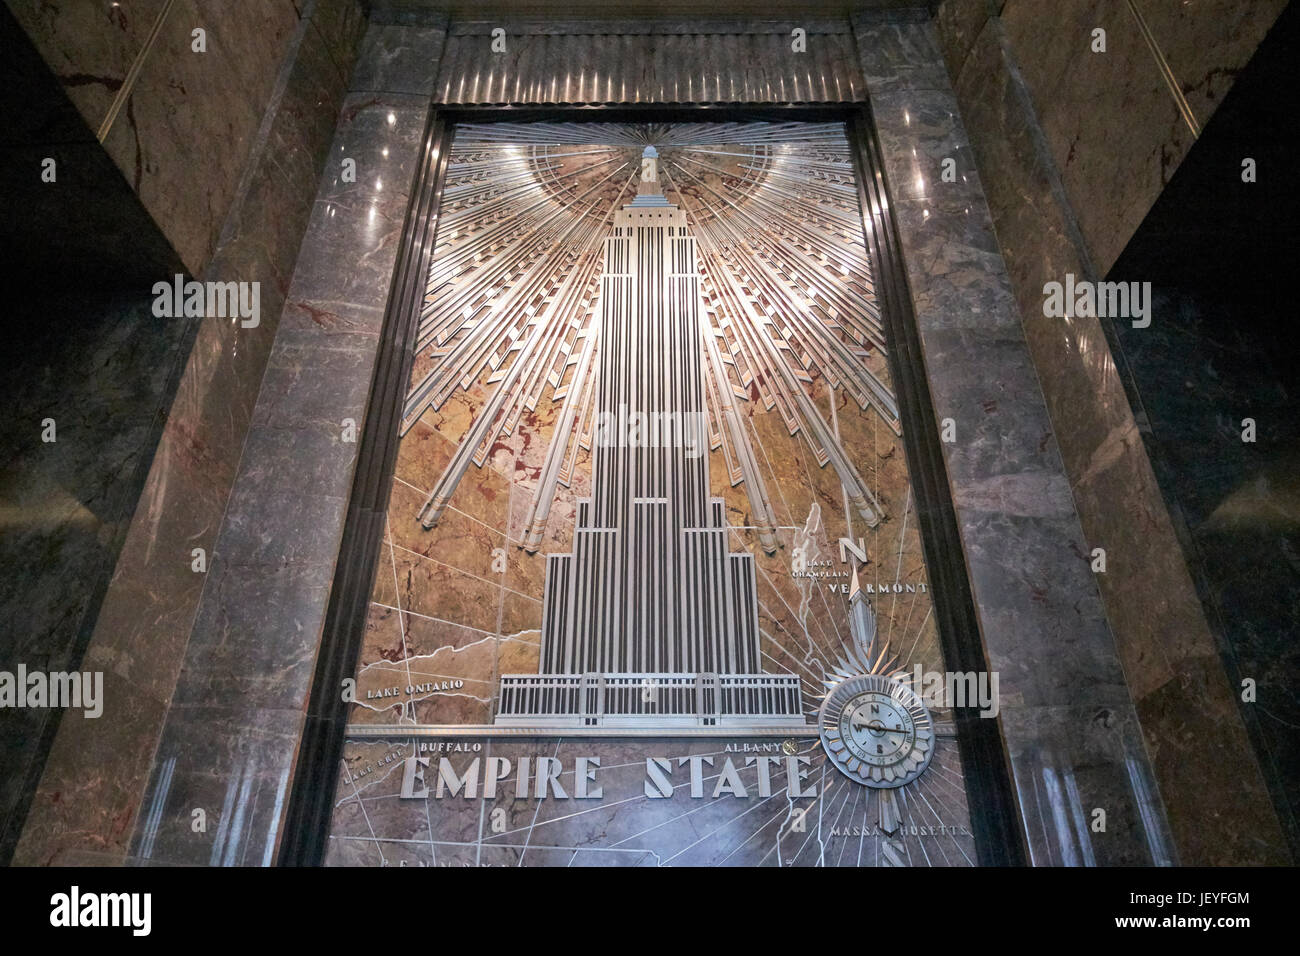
(651, 622)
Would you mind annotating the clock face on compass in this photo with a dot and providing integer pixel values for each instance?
(877, 731)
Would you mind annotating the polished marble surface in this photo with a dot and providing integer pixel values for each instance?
(1070, 721)
(186, 130)
(1111, 165)
(1160, 629)
(189, 121)
(105, 371)
(395, 59)
(1069, 724)
(1207, 43)
(87, 227)
(958, 24)
(1112, 124)
(1222, 353)
(147, 614)
(259, 618)
(1236, 506)
(89, 46)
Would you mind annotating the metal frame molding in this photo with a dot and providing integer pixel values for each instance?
(994, 815)
(316, 769)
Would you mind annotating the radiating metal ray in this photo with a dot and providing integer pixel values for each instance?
(510, 300)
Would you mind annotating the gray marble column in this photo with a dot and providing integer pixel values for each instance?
(232, 728)
(1067, 720)
(1213, 787)
(91, 787)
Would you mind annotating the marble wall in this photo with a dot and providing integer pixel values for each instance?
(81, 222)
(93, 780)
(1094, 667)
(178, 123)
(1068, 724)
(1073, 148)
(1218, 252)
(1234, 506)
(1111, 124)
(104, 370)
(247, 662)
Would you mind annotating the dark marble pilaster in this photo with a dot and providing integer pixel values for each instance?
(1178, 689)
(1068, 723)
(92, 788)
(249, 662)
(104, 369)
(1215, 357)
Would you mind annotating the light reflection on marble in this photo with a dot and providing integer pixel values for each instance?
(1178, 689)
(93, 781)
(104, 373)
(919, 131)
(1234, 508)
(255, 634)
(1111, 124)
(1069, 724)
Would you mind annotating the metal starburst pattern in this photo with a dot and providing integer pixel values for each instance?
(506, 375)
(788, 297)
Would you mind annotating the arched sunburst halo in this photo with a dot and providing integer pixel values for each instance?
(786, 283)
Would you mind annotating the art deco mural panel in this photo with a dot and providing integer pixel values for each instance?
(651, 589)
